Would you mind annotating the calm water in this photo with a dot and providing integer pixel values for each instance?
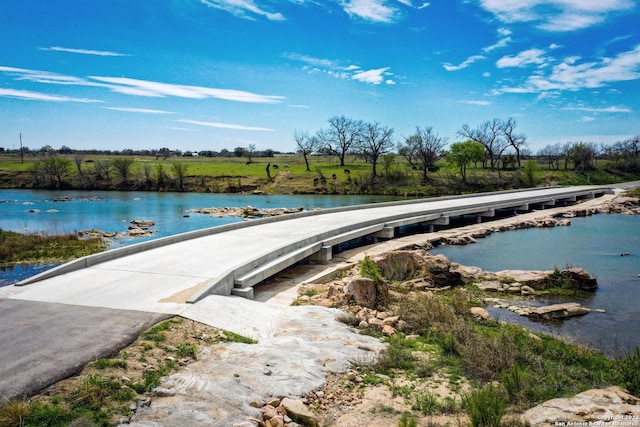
(593, 243)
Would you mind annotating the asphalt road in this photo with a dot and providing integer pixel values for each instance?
(43, 342)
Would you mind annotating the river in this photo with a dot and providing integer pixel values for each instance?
(593, 243)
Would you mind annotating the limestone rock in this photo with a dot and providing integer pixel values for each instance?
(480, 313)
(298, 412)
(558, 311)
(364, 291)
(580, 279)
(607, 406)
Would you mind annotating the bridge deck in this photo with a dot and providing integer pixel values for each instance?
(160, 279)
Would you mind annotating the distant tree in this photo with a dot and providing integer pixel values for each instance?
(65, 150)
(180, 171)
(461, 154)
(122, 165)
(583, 156)
(423, 149)
(306, 145)
(342, 135)
(239, 151)
(102, 168)
(551, 154)
(250, 151)
(55, 168)
(375, 141)
(490, 135)
(529, 172)
(515, 140)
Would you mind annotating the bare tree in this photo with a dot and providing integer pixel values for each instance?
(342, 135)
(122, 165)
(180, 170)
(517, 141)
(307, 145)
(489, 134)
(552, 154)
(426, 146)
(376, 141)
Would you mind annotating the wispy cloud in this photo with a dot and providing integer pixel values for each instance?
(39, 96)
(573, 75)
(504, 35)
(138, 110)
(371, 10)
(612, 109)
(470, 60)
(524, 58)
(472, 102)
(556, 15)
(157, 89)
(83, 51)
(334, 68)
(225, 125)
(145, 88)
(246, 9)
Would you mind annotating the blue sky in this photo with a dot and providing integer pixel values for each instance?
(213, 74)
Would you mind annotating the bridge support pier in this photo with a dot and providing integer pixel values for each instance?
(323, 256)
(443, 220)
(386, 233)
(488, 214)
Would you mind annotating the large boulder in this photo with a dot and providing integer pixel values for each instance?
(364, 291)
(580, 279)
(609, 406)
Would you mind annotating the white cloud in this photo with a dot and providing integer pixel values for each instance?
(586, 119)
(600, 110)
(524, 58)
(374, 77)
(423, 5)
(242, 9)
(556, 15)
(138, 110)
(472, 102)
(465, 64)
(38, 96)
(83, 51)
(371, 10)
(571, 75)
(225, 125)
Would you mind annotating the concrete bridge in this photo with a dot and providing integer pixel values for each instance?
(231, 259)
(54, 323)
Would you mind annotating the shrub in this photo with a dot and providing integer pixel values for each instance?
(407, 420)
(629, 368)
(187, 350)
(426, 403)
(485, 406)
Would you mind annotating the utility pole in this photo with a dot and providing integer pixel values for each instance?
(21, 150)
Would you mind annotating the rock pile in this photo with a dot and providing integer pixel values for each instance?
(246, 212)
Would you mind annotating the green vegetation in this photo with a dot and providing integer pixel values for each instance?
(37, 248)
(348, 157)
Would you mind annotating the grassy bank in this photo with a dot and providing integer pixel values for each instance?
(19, 248)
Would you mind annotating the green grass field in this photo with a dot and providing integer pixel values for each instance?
(288, 175)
